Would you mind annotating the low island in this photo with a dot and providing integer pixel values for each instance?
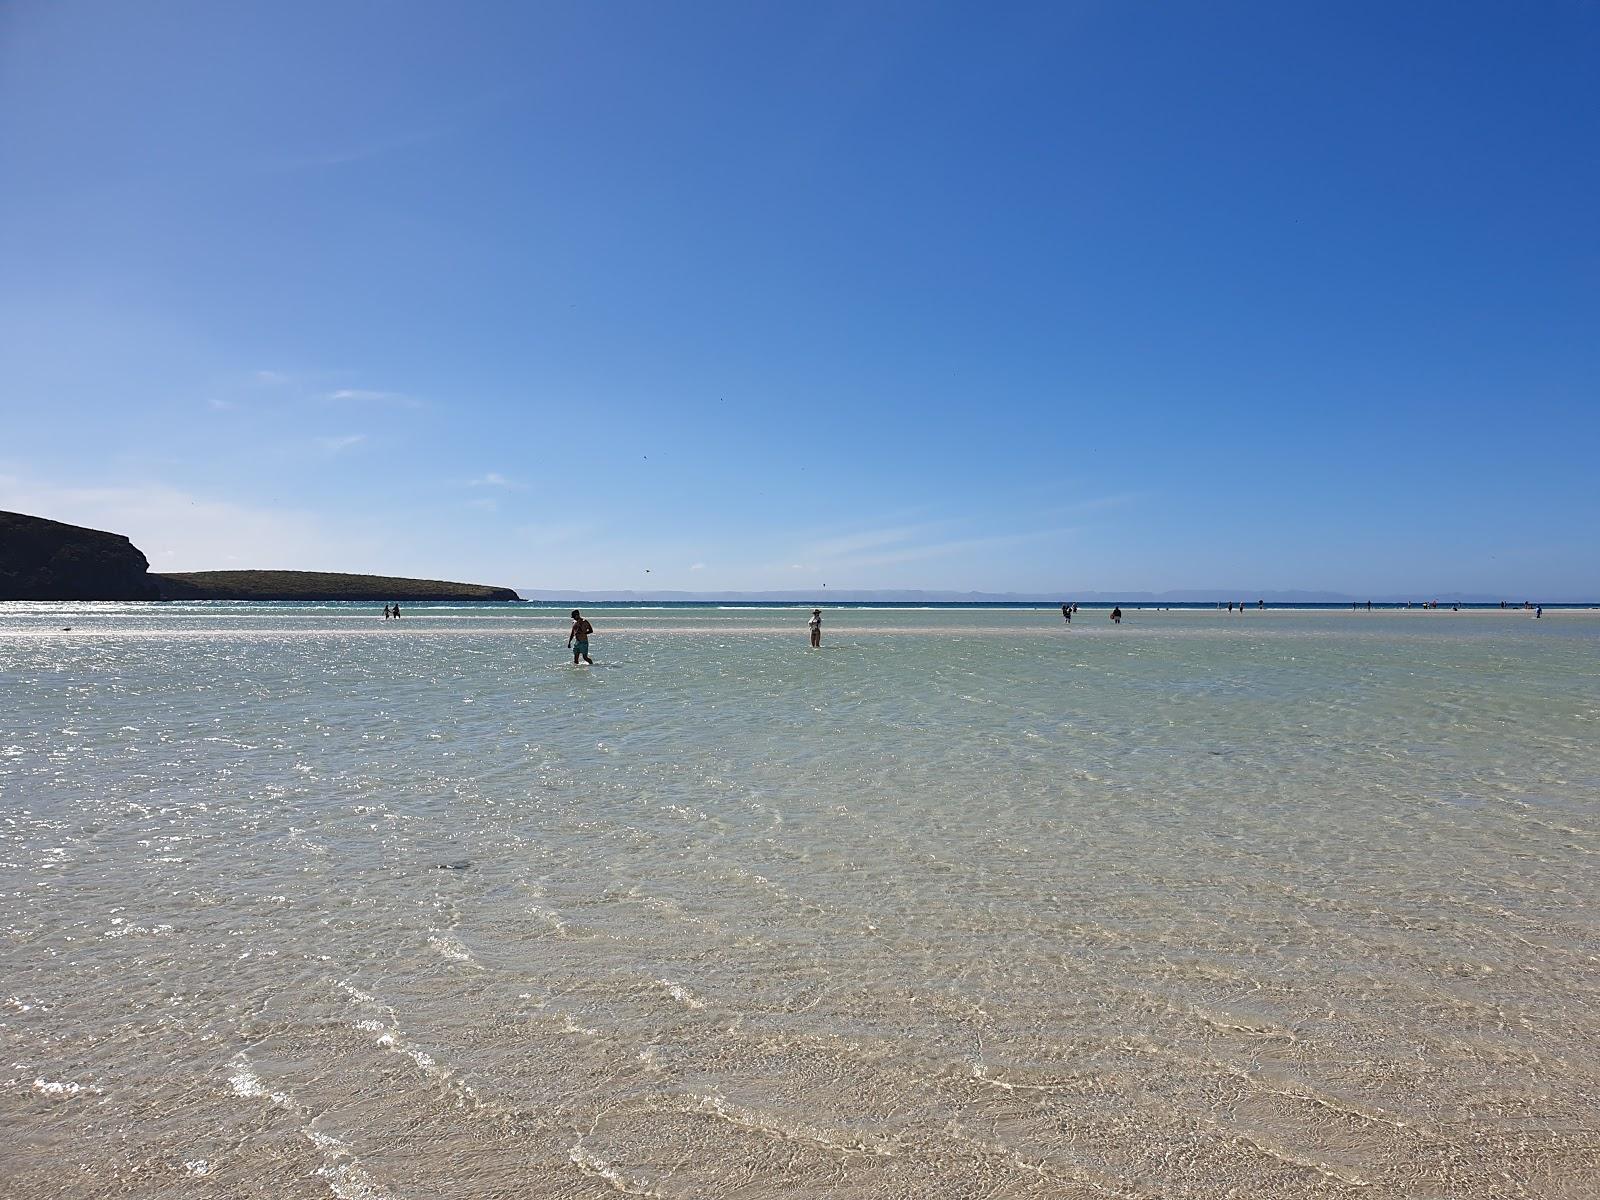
(42, 559)
(318, 585)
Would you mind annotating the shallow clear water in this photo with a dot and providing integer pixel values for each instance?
(294, 902)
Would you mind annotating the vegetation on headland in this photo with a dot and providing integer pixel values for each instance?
(317, 585)
(48, 560)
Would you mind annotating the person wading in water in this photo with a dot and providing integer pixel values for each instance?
(578, 638)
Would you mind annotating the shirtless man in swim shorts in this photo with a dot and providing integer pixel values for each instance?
(578, 638)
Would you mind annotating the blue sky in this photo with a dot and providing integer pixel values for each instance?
(1068, 296)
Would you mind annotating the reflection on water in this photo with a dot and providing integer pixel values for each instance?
(295, 902)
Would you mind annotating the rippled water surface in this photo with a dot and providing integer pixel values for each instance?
(299, 903)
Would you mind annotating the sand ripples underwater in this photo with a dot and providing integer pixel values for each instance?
(294, 903)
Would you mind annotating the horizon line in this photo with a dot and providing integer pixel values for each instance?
(1173, 595)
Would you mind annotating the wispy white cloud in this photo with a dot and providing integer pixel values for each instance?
(928, 550)
(250, 389)
(545, 537)
(871, 539)
(1098, 503)
(338, 156)
(372, 396)
(697, 566)
(493, 479)
(216, 405)
(892, 545)
(337, 445)
(485, 503)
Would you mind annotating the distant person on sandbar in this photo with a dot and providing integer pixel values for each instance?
(578, 638)
(1539, 612)
(1066, 613)
(396, 612)
(1116, 615)
(815, 625)
(385, 612)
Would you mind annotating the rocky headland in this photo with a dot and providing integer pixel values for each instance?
(48, 560)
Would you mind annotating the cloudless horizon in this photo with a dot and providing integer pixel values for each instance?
(1060, 297)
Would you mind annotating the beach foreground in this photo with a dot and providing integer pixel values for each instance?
(296, 902)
